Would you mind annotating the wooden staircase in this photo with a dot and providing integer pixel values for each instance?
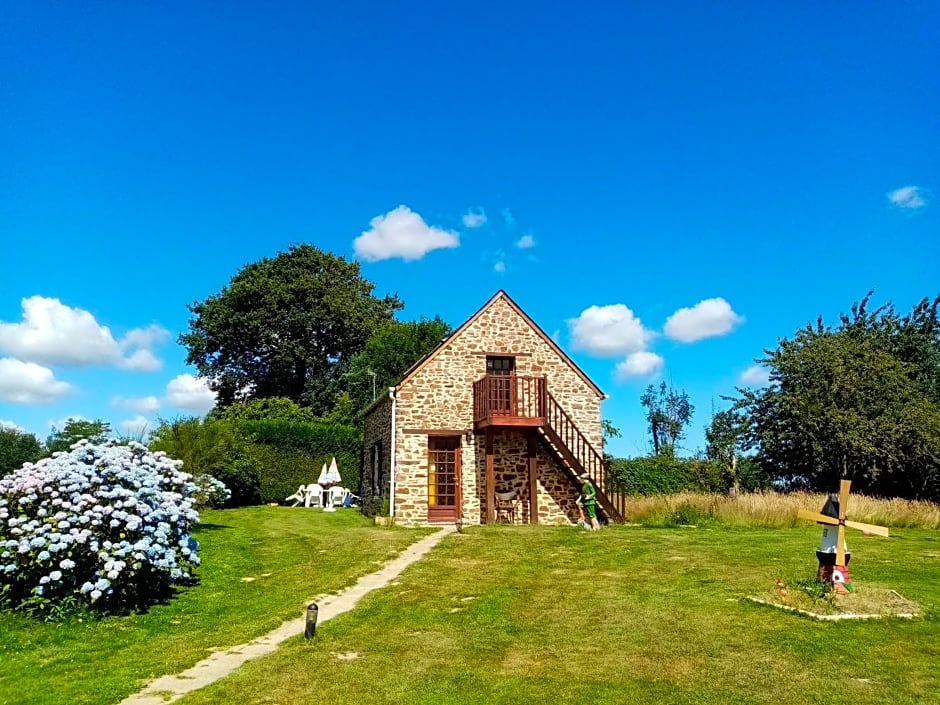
(576, 455)
(523, 402)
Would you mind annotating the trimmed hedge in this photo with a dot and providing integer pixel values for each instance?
(666, 474)
(289, 454)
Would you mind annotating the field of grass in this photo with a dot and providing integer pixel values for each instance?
(626, 615)
(260, 566)
(775, 510)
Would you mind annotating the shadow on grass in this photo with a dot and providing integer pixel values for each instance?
(212, 527)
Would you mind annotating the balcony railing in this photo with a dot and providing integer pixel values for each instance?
(509, 400)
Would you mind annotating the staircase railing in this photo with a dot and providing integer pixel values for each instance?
(579, 452)
(508, 396)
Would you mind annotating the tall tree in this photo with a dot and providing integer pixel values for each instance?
(859, 401)
(285, 326)
(17, 447)
(387, 356)
(725, 438)
(74, 430)
(668, 412)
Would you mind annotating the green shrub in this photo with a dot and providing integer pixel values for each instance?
(16, 448)
(212, 447)
(282, 470)
(652, 475)
(702, 475)
(288, 454)
(243, 479)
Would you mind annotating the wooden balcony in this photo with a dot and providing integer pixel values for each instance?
(509, 400)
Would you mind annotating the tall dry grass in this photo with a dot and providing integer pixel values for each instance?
(775, 510)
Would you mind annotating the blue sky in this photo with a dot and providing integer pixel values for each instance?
(667, 187)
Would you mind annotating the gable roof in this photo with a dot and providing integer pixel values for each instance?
(500, 295)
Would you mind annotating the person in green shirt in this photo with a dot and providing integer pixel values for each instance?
(589, 501)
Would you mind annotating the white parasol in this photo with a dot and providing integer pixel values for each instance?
(322, 479)
(332, 475)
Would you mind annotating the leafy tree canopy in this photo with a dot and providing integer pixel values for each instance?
(74, 430)
(270, 408)
(668, 412)
(16, 448)
(285, 326)
(858, 401)
(725, 438)
(387, 356)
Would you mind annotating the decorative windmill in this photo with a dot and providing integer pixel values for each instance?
(833, 515)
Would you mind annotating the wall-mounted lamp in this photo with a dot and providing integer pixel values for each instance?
(469, 435)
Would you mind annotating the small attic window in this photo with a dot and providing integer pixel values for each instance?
(500, 365)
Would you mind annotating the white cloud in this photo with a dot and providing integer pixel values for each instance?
(707, 319)
(499, 267)
(60, 423)
(508, 217)
(639, 364)
(12, 426)
(474, 218)
(135, 426)
(55, 334)
(526, 242)
(401, 233)
(608, 330)
(190, 393)
(755, 375)
(910, 197)
(29, 383)
(143, 405)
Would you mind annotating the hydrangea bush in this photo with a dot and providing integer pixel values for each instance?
(210, 491)
(101, 527)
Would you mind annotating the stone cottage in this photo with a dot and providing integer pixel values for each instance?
(496, 423)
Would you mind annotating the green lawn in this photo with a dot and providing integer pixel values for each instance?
(626, 615)
(291, 554)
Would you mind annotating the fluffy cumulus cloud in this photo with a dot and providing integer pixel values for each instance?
(401, 233)
(639, 364)
(190, 393)
(755, 375)
(142, 405)
(608, 330)
(134, 426)
(29, 383)
(909, 197)
(526, 242)
(52, 333)
(11, 426)
(499, 267)
(474, 218)
(706, 319)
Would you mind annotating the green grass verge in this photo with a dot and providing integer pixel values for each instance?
(292, 555)
(625, 615)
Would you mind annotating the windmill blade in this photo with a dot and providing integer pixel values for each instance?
(844, 488)
(815, 516)
(869, 528)
(840, 546)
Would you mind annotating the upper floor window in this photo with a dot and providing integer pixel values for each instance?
(500, 365)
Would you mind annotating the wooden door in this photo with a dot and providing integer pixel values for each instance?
(502, 377)
(443, 478)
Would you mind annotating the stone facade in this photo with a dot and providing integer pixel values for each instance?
(376, 467)
(437, 399)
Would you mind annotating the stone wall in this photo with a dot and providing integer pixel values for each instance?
(377, 429)
(439, 397)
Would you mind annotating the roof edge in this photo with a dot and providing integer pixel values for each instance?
(501, 293)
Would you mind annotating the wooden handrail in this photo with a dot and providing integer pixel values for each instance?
(509, 396)
(580, 449)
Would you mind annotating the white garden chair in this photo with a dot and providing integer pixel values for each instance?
(298, 496)
(313, 497)
(337, 495)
